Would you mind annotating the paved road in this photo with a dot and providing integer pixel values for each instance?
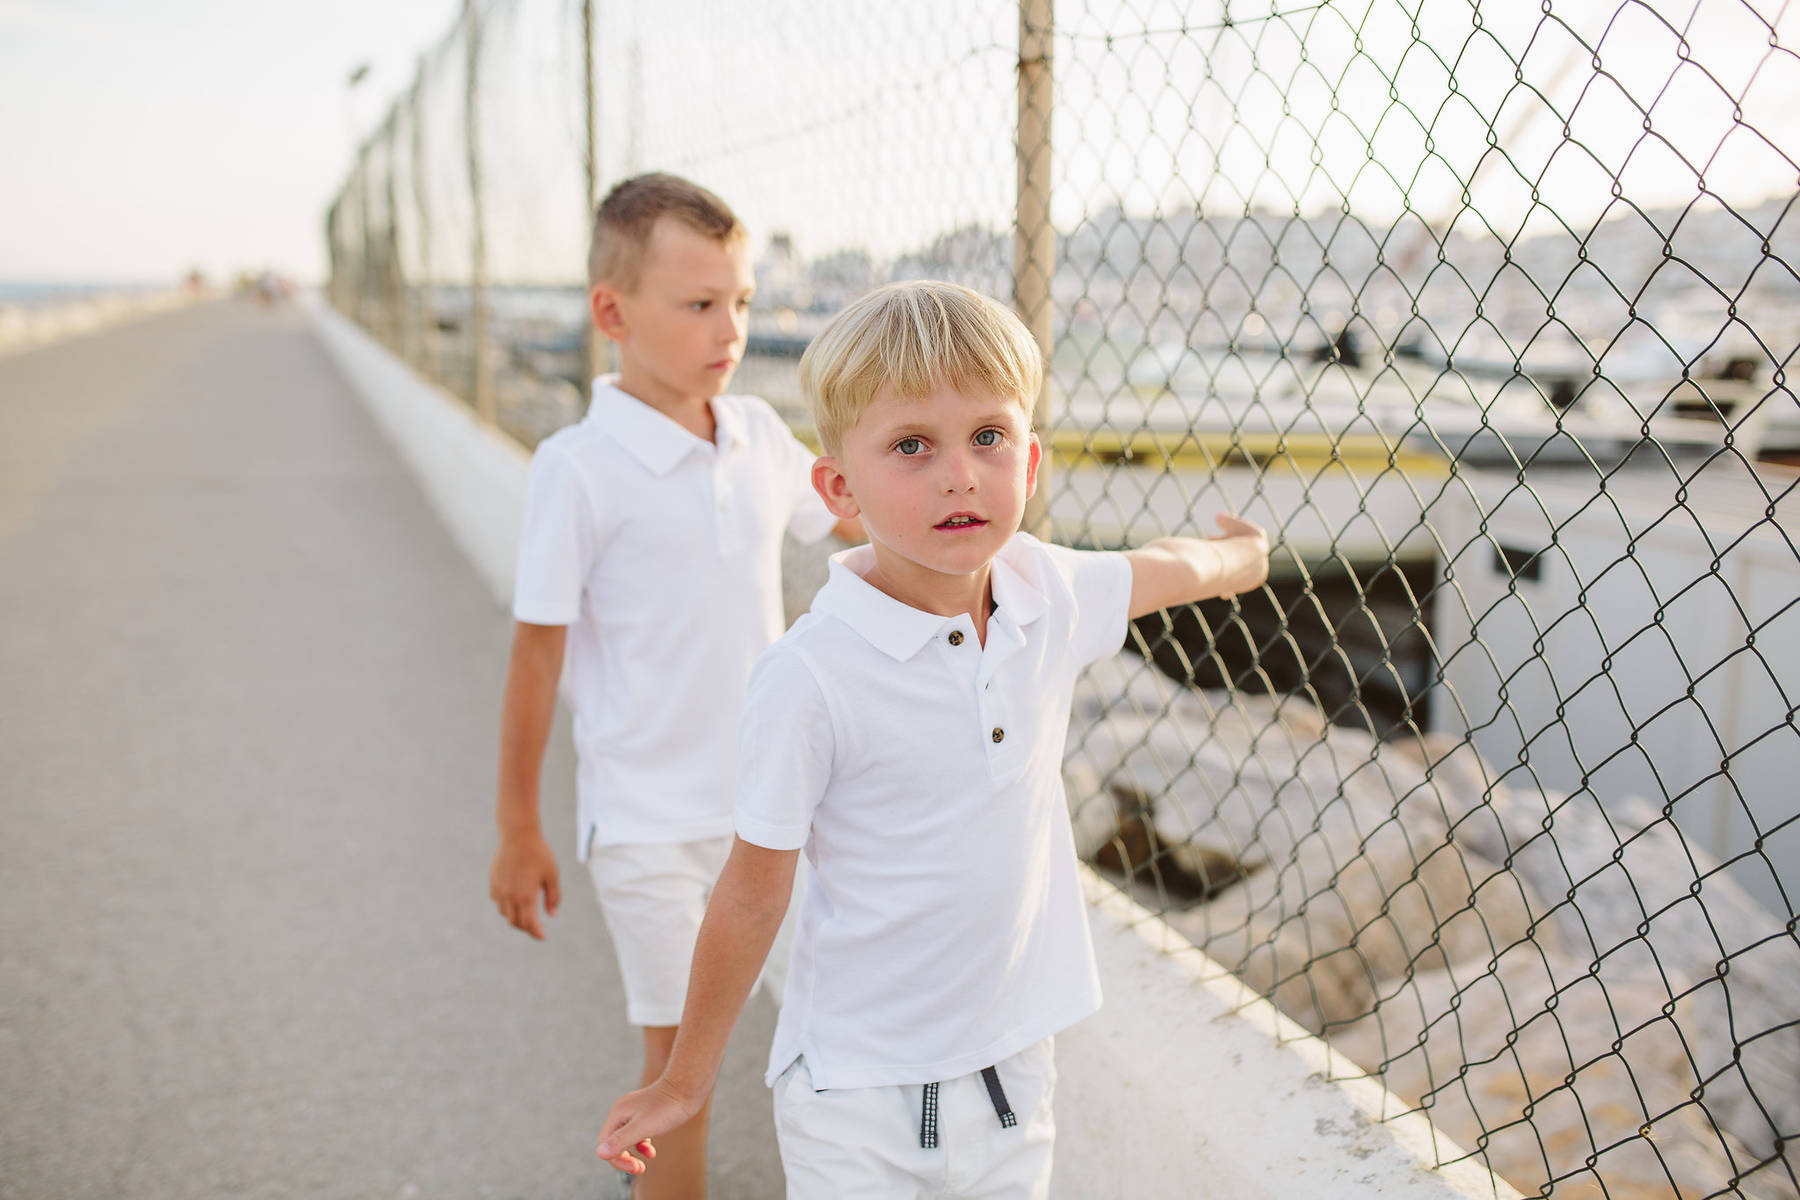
(250, 693)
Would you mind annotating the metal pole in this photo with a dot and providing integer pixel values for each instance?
(424, 306)
(596, 350)
(1034, 241)
(482, 363)
(366, 283)
(392, 276)
(334, 287)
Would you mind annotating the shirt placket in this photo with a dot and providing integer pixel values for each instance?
(963, 651)
(994, 703)
(726, 503)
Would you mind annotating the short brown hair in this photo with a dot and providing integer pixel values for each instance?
(910, 338)
(625, 219)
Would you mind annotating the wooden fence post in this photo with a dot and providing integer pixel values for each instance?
(1034, 239)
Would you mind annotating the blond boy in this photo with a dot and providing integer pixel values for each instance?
(650, 558)
(907, 735)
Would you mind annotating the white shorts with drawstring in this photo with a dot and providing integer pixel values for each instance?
(921, 1141)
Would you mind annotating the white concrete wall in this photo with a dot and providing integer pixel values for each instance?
(473, 474)
(1185, 1085)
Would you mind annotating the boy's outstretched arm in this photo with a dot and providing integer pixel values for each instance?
(1180, 570)
(746, 909)
(524, 864)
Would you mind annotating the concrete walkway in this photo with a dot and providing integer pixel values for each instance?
(250, 694)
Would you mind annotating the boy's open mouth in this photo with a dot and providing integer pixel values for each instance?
(960, 521)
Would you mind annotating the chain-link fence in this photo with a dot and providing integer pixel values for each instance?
(1485, 311)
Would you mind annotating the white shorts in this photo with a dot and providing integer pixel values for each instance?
(866, 1142)
(653, 898)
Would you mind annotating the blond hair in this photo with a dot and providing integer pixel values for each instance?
(912, 338)
(625, 219)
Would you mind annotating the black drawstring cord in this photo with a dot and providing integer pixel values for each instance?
(928, 1117)
(1002, 1109)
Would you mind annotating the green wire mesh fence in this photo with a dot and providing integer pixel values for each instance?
(1487, 311)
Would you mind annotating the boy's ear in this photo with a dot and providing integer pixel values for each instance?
(829, 481)
(1031, 466)
(609, 317)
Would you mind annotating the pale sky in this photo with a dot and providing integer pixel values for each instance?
(143, 137)
(884, 124)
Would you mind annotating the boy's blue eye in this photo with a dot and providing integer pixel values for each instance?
(988, 437)
(909, 445)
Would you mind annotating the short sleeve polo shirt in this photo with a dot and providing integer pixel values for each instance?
(662, 553)
(943, 927)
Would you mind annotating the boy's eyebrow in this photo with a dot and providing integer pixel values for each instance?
(994, 417)
(712, 293)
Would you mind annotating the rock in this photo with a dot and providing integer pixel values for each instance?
(1553, 979)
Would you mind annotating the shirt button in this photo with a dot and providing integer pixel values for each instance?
(999, 734)
(956, 637)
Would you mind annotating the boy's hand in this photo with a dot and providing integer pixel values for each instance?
(1180, 570)
(1253, 562)
(524, 866)
(636, 1118)
(1236, 526)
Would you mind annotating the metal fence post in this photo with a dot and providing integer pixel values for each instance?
(482, 390)
(393, 274)
(1034, 240)
(596, 348)
(365, 274)
(334, 252)
(424, 308)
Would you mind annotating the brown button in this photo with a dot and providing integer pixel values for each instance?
(956, 637)
(999, 734)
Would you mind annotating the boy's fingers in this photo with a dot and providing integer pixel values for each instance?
(1231, 522)
(624, 1130)
(609, 1137)
(636, 1164)
(624, 1162)
(1235, 526)
(522, 916)
(552, 894)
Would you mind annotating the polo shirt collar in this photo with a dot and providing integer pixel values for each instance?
(900, 630)
(654, 439)
(1017, 590)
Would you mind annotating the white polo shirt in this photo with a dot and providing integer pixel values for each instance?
(943, 927)
(662, 553)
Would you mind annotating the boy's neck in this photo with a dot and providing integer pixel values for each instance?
(929, 591)
(692, 413)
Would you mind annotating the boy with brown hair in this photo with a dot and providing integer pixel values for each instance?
(907, 736)
(650, 560)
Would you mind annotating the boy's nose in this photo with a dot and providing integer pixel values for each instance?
(959, 473)
(735, 327)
